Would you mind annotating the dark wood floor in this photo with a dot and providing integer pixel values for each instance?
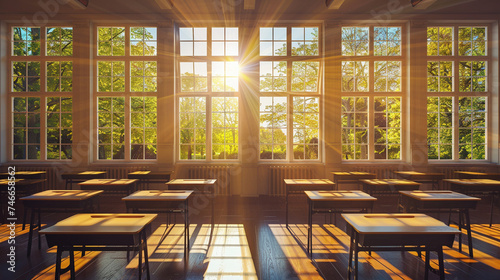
(250, 241)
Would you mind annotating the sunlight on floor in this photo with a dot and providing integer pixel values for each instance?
(5, 231)
(229, 256)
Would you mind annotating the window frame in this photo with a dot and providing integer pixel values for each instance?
(42, 58)
(456, 94)
(208, 94)
(127, 58)
(371, 94)
(289, 93)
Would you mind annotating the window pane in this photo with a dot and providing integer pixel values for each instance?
(305, 128)
(111, 41)
(273, 127)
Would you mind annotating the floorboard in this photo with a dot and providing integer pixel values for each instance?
(250, 241)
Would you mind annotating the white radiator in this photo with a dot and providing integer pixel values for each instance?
(221, 173)
(278, 173)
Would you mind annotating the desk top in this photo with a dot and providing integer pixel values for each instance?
(70, 175)
(298, 182)
(353, 175)
(438, 195)
(339, 195)
(397, 224)
(416, 174)
(22, 182)
(24, 174)
(62, 195)
(149, 172)
(159, 195)
(387, 182)
(108, 182)
(473, 182)
(192, 182)
(101, 224)
(477, 175)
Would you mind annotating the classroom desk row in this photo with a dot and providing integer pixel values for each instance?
(408, 232)
(118, 232)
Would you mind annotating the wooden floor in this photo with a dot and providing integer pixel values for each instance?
(250, 241)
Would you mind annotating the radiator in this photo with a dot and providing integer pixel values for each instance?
(382, 172)
(121, 172)
(221, 173)
(278, 173)
(52, 179)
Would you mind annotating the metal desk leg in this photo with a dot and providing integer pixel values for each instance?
(286, 205)
(351, 249)
(309, 230)
(38, 229)
(186, 230)
(469, 233)
(30, 235)
(213, 212)
(141, 244)
(460, 223)
(492, 205)
(427, 264)
(146, 260)
(25, 212)
(441, 263)
(356, 251)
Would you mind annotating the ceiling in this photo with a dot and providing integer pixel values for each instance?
(313, 9)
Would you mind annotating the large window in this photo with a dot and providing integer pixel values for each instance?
(127, 73)
(41, 85)
(458, 91)
(289, 74)
(372, 86)
(207, 93)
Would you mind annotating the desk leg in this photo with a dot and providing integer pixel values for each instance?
(427, 264)
(469, 233)
(441, 262)
(70, 267)
(140, 259)
(492, 205)
(460, 223)
(39, 227)
(286, 205)
(25, 212)
(146, 260)
(351, 249)
(30, 235)
(213, 212)
(58, 263)
(186, 229)
(356, 251)
(66, 185)
(309, 230)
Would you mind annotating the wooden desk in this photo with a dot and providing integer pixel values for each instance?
(146, 177)
(86, 232)
(397, 232)
(335, 202)
(169, 201)
(52, 200)
(421, 177)
(298, 186)
(468, 186)
(25, 175)
(388, 185)
(199, 186)
(351, 177)
(110, 185)
(22, 186)
(477, 175)
(437, 201)
(79, 177)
